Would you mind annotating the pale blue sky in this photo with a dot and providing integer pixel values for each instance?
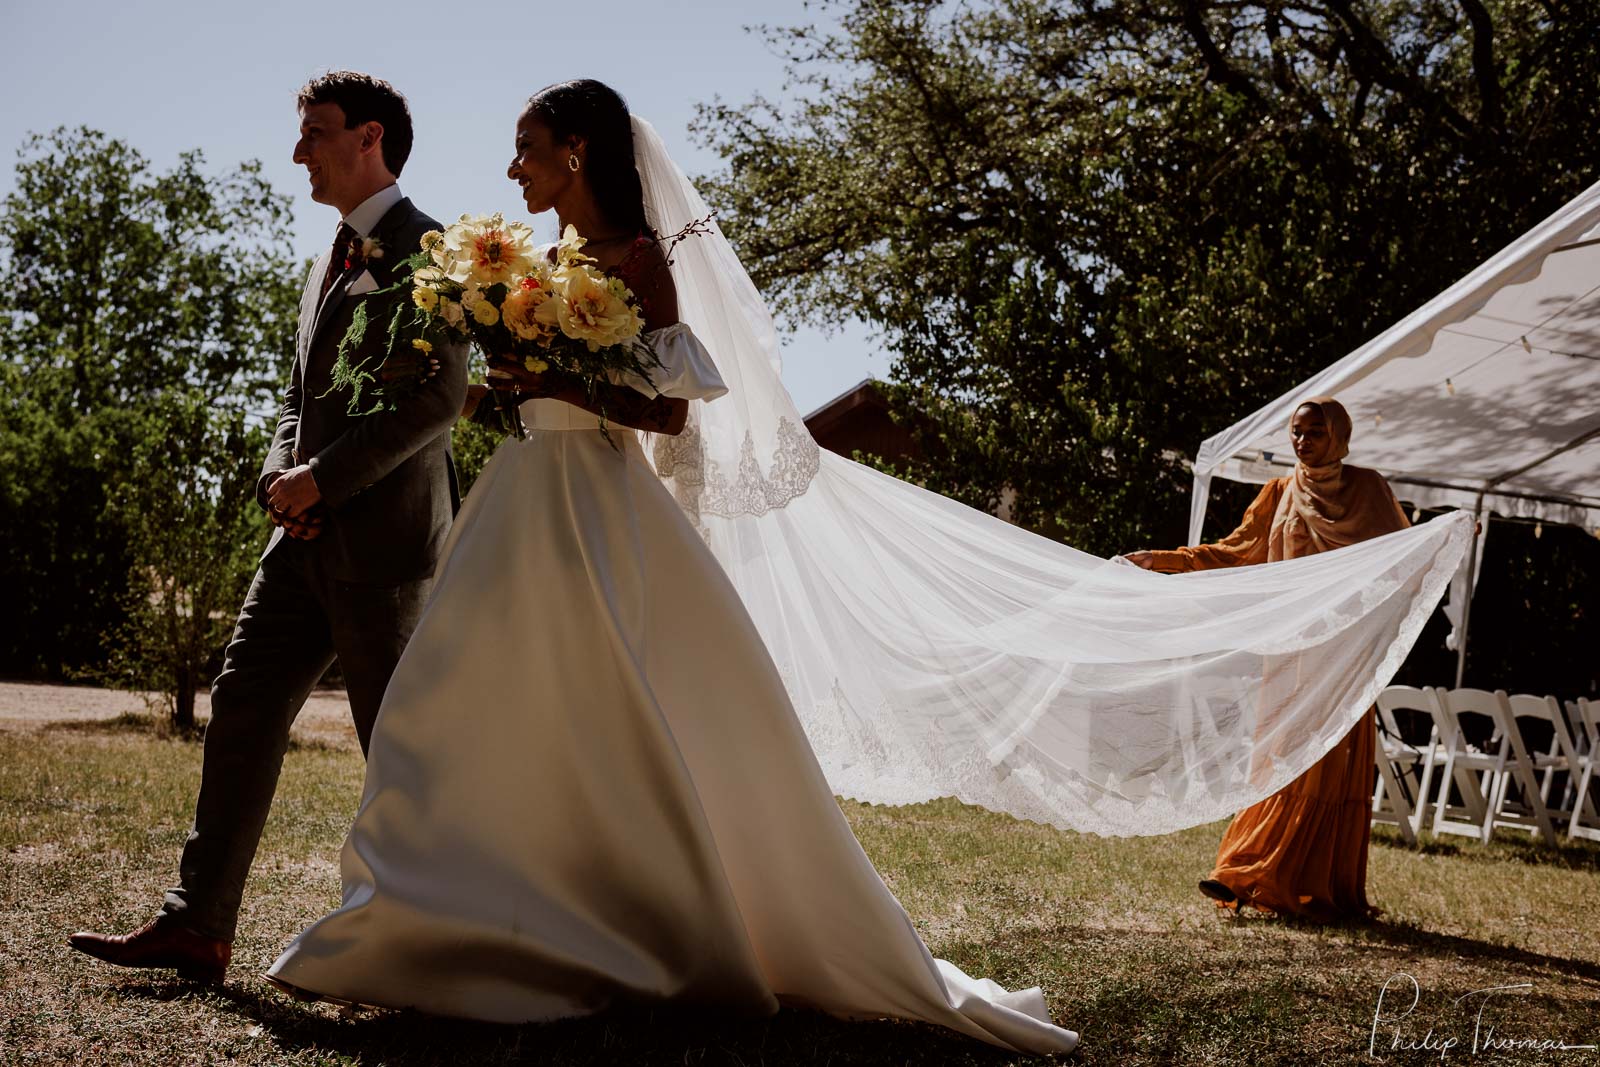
(221, 76)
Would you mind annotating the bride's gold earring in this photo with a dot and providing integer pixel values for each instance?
(572, 163)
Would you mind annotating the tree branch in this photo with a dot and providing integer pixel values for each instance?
(1284, 75)
(1370, 57)
(1217, 64)
(1489, 115)
(1358, 110)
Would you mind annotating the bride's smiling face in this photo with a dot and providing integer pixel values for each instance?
(541, 165)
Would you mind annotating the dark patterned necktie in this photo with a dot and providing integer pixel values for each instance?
(340, 260)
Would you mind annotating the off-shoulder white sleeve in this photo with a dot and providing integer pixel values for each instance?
(686, 368)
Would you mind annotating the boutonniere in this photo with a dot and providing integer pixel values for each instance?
(363, 250)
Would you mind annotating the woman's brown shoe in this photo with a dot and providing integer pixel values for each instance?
(1217, 891)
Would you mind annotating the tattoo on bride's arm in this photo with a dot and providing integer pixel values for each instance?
(632, 407)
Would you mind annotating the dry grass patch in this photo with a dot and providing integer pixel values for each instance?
(92, 816)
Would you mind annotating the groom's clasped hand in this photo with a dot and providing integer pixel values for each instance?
(294, 502)
(304, 524)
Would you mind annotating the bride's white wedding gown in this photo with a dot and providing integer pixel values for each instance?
(587, 780)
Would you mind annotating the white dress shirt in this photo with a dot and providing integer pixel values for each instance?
(371, 211)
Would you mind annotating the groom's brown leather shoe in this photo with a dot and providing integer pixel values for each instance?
(160, 943)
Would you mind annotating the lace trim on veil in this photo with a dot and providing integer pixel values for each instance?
(701, 487)
(715, 466)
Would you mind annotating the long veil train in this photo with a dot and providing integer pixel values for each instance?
(932, 650)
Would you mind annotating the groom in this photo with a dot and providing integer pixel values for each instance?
(362, 505)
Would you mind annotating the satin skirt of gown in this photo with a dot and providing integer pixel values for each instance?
(587, 783)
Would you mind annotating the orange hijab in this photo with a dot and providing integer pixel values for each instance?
(1332, 506)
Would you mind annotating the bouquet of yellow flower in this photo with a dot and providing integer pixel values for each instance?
(484, 281)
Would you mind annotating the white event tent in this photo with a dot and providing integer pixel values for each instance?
(1485, 398)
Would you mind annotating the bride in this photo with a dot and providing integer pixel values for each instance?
(587, 781)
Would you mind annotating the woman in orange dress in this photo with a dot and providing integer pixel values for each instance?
(1303, 850)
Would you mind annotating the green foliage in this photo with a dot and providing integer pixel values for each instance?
(1093, 234)
(194, 530)
(363, 377)
(63, 564)
(129, 282)
(146, 316)
(472, 446)
(357, 377)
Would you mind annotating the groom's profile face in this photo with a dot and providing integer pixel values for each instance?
(330, 153)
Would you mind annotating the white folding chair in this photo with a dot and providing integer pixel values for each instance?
(1557, 758)
(1466, 766)
(1405, 770)
(1580, 749)
(1505, 761)
(1585, 821)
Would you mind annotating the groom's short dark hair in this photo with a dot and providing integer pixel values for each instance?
(364, 98)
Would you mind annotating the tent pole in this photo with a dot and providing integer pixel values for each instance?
(1477, 519)
(1467, 594)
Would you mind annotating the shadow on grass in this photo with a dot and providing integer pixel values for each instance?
(140, 723)
(157, 728)
(632, 1034)
(1137, 995)
(1568, 855)
(297, 743)
(1420, 941)
(1452, 947)
(1143, 996)
(1510, 845)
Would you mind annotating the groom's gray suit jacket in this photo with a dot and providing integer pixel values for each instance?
(387, 479)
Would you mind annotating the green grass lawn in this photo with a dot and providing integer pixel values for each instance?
(92, 816)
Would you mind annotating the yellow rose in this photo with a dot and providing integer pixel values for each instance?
(485, 313)
(590, 309)
(432, 243)
(425, 347)
(535, 365)
(425, 297)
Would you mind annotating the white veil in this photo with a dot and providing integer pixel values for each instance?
(932, 650)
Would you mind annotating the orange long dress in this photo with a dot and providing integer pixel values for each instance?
(1303, 850)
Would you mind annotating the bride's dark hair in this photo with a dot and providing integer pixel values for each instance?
(596, 112)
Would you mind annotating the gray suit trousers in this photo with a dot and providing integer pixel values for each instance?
(296, 619)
